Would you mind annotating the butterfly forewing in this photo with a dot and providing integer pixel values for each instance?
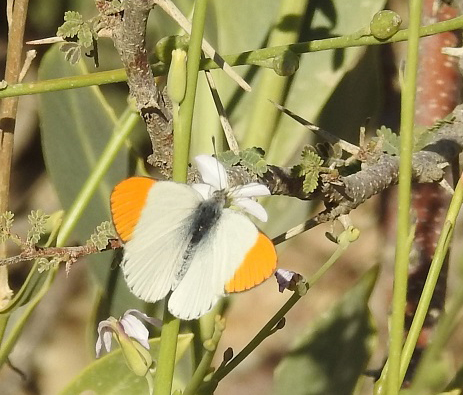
(154, 254)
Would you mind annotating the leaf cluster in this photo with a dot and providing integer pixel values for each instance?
(78, 34)
(100, 237)
(6, 222)
(250, 158)
(309, 168)
(389, 142)
(37, 220)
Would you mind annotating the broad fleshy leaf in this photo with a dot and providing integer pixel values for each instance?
(110, 375)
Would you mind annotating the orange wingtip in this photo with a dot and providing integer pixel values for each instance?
(127, 201)
(258, 265)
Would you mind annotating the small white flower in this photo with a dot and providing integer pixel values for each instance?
(215, 178)
(287, 279)
(128, 326)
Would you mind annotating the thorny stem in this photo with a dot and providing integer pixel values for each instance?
(8, 111)
(244, 58)
(404, 195)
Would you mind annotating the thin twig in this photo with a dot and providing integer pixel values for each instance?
(172, 10)
(227, 128)
(30, 56)
(331, 138)
(67, 253)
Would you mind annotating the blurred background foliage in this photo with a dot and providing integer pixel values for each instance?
(60, 135)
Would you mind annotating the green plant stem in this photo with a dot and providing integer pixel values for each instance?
(261, 127)
(182, 137)
(431, 280)
(245, 58)
(124, 127)
(393, 381)
(204, 366)
(445, 328)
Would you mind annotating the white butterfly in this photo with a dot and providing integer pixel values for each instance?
(191, 240)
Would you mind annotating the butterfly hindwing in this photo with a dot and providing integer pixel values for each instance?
(215, 262)
(258, 265)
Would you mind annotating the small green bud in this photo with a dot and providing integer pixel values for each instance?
(165, 46)
(136, 356)
(350, 235)
(176, 78)
(385, 24)
(286, 64)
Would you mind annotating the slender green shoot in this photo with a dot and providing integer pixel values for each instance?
(250, 57)
(404, 197)
(182, 138)
(431, 280)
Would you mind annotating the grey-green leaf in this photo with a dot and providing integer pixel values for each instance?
(331, 355)
(390, 141)
(76, 126)
(110, 375)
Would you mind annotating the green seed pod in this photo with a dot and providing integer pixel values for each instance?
(176, 78)
(385, 24)
(137, 357)
(165, 46)
(286, 64)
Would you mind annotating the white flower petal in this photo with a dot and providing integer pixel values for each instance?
(253, 189)
(105, 336)
(252, 207)
(134, 328)
(205, 190)
(212, 171)
(142, 316)
(98, 346)
(284, 278)
(107, 339)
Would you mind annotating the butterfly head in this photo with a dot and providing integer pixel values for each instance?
(216, 186)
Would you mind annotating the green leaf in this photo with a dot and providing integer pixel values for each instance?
(101, 235)
(228, 158)
(37, 220)
(72, 52)
(310, 181)
(6, 222)
(110, 374)
(252, 159)
(330, 356)
(85, 35)
(71, 26)
(422, 137)
(388, 140)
